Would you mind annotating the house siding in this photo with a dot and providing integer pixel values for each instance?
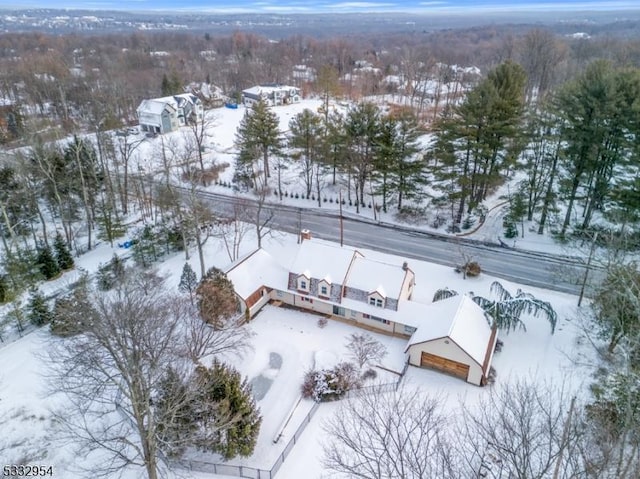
(450, 351)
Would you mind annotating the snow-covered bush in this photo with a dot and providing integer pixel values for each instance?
(330, 384)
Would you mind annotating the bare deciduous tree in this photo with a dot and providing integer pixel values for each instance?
(396, 435)
(365, 349)
(112, 373)
(522, 430)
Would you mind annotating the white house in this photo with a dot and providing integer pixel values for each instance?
(451, 336)
(272, 94)
(163, 115)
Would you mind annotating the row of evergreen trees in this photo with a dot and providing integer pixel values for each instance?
(25, 269)
(363, 144)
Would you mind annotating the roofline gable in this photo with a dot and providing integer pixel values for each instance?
(450, 339)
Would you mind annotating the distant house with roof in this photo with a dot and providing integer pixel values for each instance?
(273, 94)
(451, 335)
(166, 114)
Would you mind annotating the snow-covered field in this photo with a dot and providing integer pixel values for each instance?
(294, 337)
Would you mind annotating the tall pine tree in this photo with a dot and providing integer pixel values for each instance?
(63, 255)
(39, 312)
(259, 137)
(188, 281)
(222, 383)
(47, 263)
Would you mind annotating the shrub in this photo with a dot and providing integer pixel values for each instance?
(330, 200)
(324, 200)
(322, 322)
(330, 384)
(369, 374)
(467, 223)
(510, 228)
(472, 269)
(297, 196)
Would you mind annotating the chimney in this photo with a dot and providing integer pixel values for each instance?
(405, 266)
(305, 235)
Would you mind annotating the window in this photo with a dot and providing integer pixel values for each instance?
(339, 311)
(303, 284)
(365, 316)
(353, 313)
(280, 294)
(262, 292)
(409, 329)
(383, 321)
(377, 302)
(306, 300)
(323, 291)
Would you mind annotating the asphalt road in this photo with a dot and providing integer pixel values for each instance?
(560, 273)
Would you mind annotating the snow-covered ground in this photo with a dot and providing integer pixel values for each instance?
(297, 340)
(220, 150)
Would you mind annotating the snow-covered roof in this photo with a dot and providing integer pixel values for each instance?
(319, 259)
(153, 107)
(255, 270)
(269, 89)
(370, 275)
(458, 318)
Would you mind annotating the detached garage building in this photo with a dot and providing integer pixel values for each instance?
(455, 339)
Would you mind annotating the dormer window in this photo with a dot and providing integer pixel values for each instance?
(377, 302)
(303, 283)
(324, 287)
(376, 299)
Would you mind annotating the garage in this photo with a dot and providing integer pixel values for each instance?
(453, 337)
(444, 365)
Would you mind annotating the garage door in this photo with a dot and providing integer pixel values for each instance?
(445, 365)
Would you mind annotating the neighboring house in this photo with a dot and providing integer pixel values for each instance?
(451, 335)
(163, 115)
(273, 94)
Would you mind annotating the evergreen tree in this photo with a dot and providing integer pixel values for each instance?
(600, 124)
(216, 298)
(362, 127)
(39, 312)
(398, 164)
(177, 413)
(144, 247)
(306, 131)
(616, 305)
(481, 140)
(111, 274)
(73, 313)
(47, 263)
(170, 85)
(223, 384)
(63, 255)
(4, 289)
(259, 137)
(188, 281)
(110, 225)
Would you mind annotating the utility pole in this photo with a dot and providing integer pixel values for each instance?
(588, 267)
(341, 221)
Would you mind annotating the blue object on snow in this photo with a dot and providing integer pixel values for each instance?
(126, 244)
(233, 106)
